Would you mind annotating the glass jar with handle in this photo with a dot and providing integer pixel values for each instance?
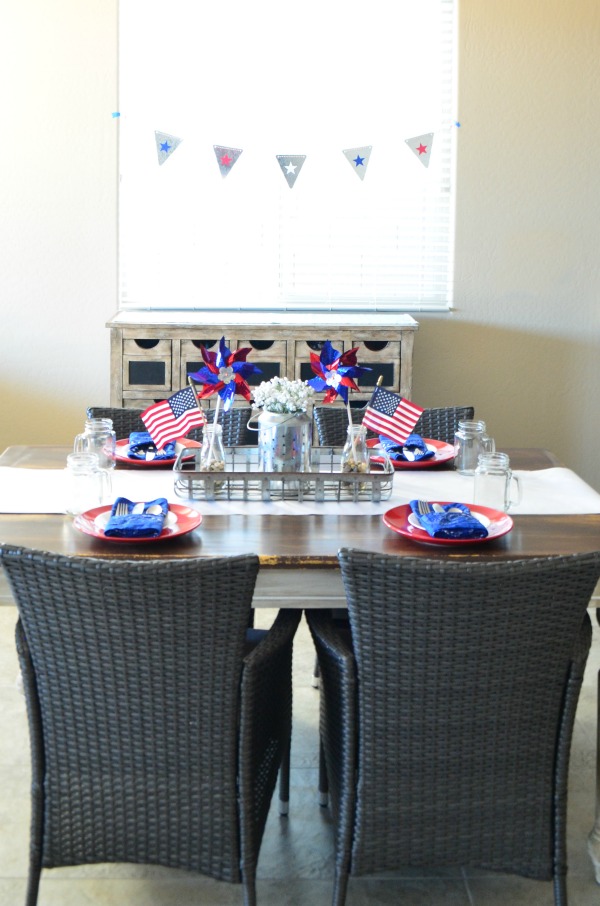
(87, 485)
(495, 483)
(470, 440)
(98, 437)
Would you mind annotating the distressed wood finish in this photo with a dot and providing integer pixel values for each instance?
(152, 352)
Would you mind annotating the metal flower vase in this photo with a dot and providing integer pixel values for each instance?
(284, 441)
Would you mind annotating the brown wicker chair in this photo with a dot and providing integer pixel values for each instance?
(447, 710)
(438, 424)
(158, 723)
(234, 422)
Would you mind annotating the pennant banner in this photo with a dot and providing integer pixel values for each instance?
(358, 158)
(421, 146)
(165, 145)
(291, 164)
(226, 157)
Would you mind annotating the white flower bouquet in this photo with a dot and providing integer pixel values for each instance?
(283, 396)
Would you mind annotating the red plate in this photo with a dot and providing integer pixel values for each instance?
(180, 520)
(397, 519)
(443, 453)
(122, 449)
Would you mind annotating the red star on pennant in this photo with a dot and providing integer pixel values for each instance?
(422, 149)
(226, 160)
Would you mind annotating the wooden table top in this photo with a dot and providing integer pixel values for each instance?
(294, 542)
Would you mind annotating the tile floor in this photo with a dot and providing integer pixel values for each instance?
(295, 865)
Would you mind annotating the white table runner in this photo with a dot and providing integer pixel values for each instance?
(545, 491)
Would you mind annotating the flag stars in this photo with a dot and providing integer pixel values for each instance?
(359, 161)
(422, 149)
(226, 160)
(165, 147)
(290, 168)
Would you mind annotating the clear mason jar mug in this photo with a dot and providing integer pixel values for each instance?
(87, 485)
(495, 483)
(470, 440)
(98, 437)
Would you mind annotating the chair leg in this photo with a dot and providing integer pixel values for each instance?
(323, 781)
(340, 888)
(316, 677)
(33, 885)
(560, 891)
(284, 780)
(249, 889)
(593, 843)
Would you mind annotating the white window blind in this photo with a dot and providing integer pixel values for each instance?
(270, 78)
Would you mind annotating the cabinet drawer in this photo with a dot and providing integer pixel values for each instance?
(191, 356)
(302, 353)
(136, 399)
(383, 358)
(148, 348)
(191, 347)
(149, 373)
(268, 355)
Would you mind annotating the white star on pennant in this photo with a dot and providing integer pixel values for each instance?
(290, 168)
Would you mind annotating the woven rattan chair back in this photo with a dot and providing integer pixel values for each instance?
(234, 423)
(157, 732)
(447, 712)
(437, 424)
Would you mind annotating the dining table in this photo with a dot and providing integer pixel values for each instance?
(297, 542)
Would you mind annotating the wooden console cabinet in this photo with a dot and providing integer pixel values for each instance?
(152, 352)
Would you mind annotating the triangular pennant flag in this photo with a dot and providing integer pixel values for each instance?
(291, 164)
(421, 146)
(165, 145)
(358, 158)
(226, 157)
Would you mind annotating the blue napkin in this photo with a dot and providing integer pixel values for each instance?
(137, 525)
(414, 443)
(460, 524)
(140, 443)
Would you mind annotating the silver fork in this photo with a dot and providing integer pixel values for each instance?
(424, 507)
(122, 509)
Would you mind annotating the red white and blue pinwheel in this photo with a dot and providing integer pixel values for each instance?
(225, 373)
(335, 372)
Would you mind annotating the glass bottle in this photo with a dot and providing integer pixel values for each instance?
(355, 455)
(212, 452)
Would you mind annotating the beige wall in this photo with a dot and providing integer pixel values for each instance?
(522, 344)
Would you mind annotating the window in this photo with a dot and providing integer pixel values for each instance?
(316, 79)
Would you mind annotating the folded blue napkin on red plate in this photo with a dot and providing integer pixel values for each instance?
(455, 521)
(137, 525)
(414, 445)
(141, 443)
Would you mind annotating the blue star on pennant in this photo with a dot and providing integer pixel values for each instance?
(166, 144)
(359, 158)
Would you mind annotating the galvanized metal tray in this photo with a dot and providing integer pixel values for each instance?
(243, 480)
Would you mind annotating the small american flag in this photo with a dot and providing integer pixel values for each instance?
(174, 417)
(391, 415)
